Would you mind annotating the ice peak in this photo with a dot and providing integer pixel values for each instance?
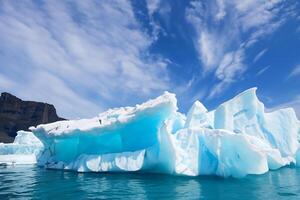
(198, 107)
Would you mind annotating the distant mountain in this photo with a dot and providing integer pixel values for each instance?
(16, 114)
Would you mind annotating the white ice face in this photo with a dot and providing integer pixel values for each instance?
(24, 150)
(236, 139)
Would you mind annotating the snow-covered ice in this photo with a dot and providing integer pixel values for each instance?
(24, 150)
(235, 139)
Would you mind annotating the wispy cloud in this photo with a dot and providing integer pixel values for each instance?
(259, 55)
(153, 6)
(230, 65)
(158, 8)
(263, 70)
(295, 72)
(82, 56)
(226, 29)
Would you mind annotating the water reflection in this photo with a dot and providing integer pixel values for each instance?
(37, 183)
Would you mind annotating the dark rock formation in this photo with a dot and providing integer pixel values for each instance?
(16, 114)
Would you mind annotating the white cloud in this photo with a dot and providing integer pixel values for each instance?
(256, 13)
(295, 72)
(209, 52)
(259, 55)
(224, 32)
(158, 8)
(82, 56)
(50, 86)
(221, 12)
(263, 70)
(153, 6)
(230, 67)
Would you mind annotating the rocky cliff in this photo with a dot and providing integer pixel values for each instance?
(16, 114)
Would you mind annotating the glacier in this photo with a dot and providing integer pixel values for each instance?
(235, 139)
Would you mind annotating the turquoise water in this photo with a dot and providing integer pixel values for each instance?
(29, 182)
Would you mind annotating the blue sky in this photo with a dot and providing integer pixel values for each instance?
(87, 56)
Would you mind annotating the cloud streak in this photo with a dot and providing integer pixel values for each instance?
(263, 70)
(259, 55)
(225, 30)
(295, 72)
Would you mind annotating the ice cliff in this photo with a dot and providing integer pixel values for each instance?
(235, 139)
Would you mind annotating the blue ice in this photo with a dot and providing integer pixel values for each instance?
(235, 139)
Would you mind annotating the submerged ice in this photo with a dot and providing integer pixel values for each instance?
(235, 139)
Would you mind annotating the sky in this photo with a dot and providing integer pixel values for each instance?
(87, 56)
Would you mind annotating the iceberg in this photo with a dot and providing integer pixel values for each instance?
(235, 139)
(24, 150)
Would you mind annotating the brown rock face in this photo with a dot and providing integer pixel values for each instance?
(16, 114)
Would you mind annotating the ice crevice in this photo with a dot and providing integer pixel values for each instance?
(235, 139)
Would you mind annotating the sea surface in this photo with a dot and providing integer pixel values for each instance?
(31, 182)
